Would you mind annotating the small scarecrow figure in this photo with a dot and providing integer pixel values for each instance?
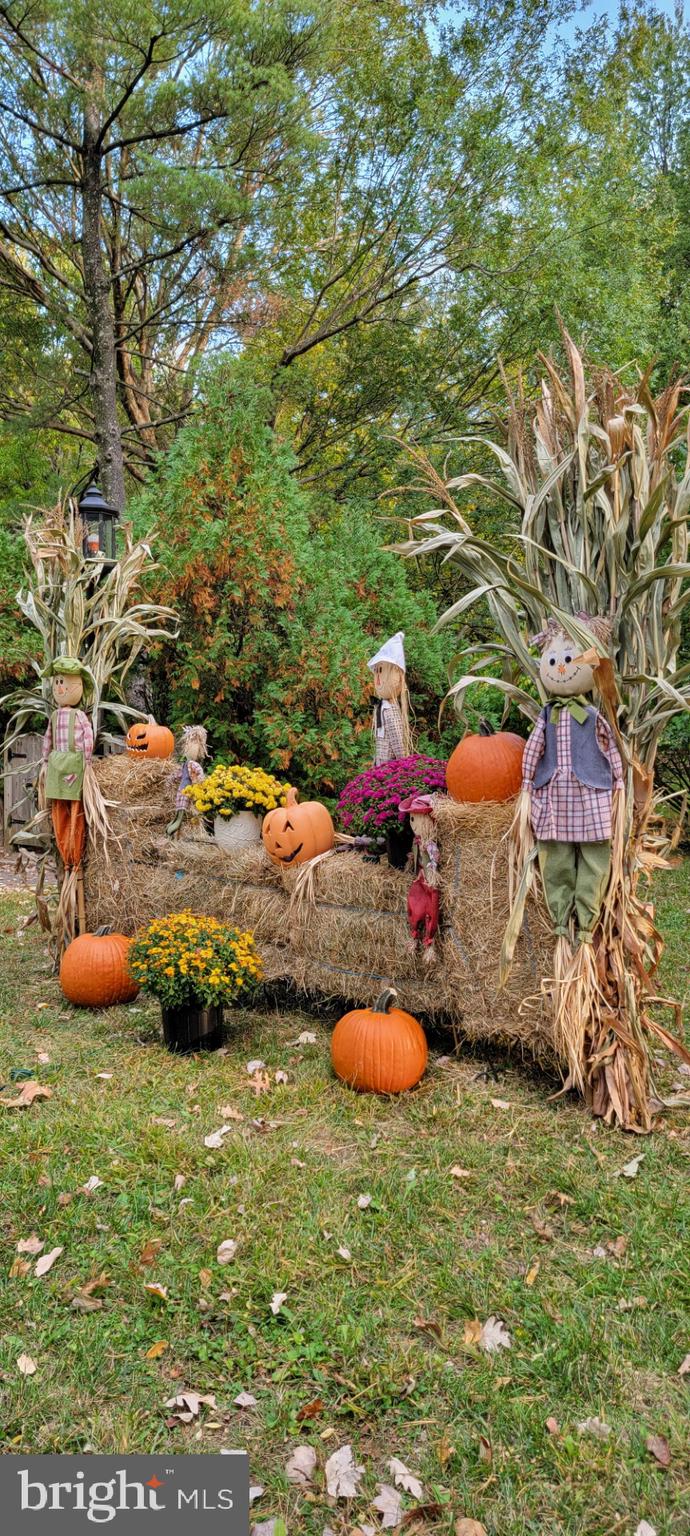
(423, 895)
(571, 768)
(194, 750)
(390, 723)
(67, 783)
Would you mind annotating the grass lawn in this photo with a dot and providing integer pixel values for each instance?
(589, 1272)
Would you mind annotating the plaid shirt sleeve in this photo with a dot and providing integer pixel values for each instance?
(533, 752)
(609, 747)
(83, 735)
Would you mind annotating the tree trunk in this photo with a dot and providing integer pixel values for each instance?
(97, 291)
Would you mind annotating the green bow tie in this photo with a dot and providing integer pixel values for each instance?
(576, 706)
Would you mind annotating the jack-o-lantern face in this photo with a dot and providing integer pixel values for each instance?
(150, 740)
(294, 833)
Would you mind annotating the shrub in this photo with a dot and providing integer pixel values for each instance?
(369, 803)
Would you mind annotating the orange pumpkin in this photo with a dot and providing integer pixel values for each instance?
(93, 971)
(379, 1049)
(294, 833)
(146, 739)
(486, 767)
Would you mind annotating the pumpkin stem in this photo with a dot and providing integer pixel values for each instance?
(385, 1002)
(292, 797)
(486, 728)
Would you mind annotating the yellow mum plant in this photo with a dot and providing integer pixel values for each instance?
(227, 790)
(188, 961)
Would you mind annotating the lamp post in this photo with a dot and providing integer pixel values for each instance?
(100, 525)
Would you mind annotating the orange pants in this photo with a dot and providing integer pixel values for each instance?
(69, 826)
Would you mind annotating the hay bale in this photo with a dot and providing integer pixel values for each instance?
(352, 938)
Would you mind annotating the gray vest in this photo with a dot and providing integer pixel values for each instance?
(590, 764)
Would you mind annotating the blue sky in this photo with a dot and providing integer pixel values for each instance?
(598, 8)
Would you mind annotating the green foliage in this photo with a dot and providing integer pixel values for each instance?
(281, 599)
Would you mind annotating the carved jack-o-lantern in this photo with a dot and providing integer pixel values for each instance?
(146, 739)
(294, 833)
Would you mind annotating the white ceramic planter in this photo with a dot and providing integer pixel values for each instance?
(239, 831)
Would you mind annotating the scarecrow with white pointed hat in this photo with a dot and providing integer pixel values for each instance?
(391, 718)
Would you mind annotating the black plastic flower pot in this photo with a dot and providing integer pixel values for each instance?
(399, 842)
(192, 1029)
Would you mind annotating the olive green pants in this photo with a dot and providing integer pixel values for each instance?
(574, 875)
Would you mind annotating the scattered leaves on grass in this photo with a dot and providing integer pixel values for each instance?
(457, 1172)
(444, 1450)
(405, 1479)
(83, 1303)
(106, 1076)
(164, 1120)
(245, 1400)
(501, 1104)
(428, 1325)
(30, 1244)
(91, 1184)
(645, 1529)
(157, 1349)
(281, 1076)
(307, 1037)
(630, 1170)
(310, 1410)
(42, 1058)
(26, 1366)
(632, 1304)
(158, 1292)
(228, 1112)
(532, 1273)
(485, 1452)
(344, 1252)
(29, 1093)
(226, 1251)
(684, 1367)
(553, 1426)
(595, 1427)
(255, 1066)
(150, 1249)
(277, 1300)
(179, 1182)
(261, 1083)
(46, 1262)
(465, 1527)
(364, 1201)
(18, 1269)
(187, 1405)
(301, 1466)
(659, 1448)
(389, 1504)
(342, 1474)
(542, 1228)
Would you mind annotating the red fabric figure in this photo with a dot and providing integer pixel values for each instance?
(423, 907)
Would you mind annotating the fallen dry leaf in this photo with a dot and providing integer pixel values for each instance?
(659, 1448)
(18, 1269)
(150, 1249)
(255, 1066)
(344, 1252)
(228, 1112)
(29, 1092)
(472, 1331)
(281, 1076)
(226, 1251)
(363, 1201)
(82, 1303)
(457, 1172)
(216, 1138)
(261, 1083)
(485, 1451)
(465, 1527)
(310, 1410)
(46, 1262)
(154, 1289)
(444, 1450)
(553, 1426)
(187, 1405)
(342, 1474)
(157, 1349)
(541, 1227)
(91, 1184)
(244, 1400)
(632, 1304)
(105, 1075)
(277, 1300)
(501, 1104)
(307, 1037)
(389, 1504)
(42, 1058)
(301, 1466)
(532, 1273)
(629, 1171)
(595, 1427)
(165, 1120)
(556, 1197)
(255, 1490)
(494, 1336)
(645, 1529)
(684, 1367)
(428, 1325)
(205, 1278)
(179, 1182)
(30, 1244)
(405, 1479)
(26, 1366)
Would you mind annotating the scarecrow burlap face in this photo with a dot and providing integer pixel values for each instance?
(563, 669)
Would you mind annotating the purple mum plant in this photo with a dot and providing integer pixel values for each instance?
(369, 804)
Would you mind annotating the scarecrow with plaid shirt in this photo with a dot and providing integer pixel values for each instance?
(571, 768)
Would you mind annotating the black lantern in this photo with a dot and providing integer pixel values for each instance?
(100, 525)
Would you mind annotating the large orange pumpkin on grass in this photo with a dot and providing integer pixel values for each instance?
(93, 971)
(380, 1049)
(294, 833)
(146, 739)
(487, 766)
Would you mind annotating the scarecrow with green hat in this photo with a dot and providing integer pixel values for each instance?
(67, 753)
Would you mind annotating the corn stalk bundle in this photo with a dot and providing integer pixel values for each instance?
(597, 478)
